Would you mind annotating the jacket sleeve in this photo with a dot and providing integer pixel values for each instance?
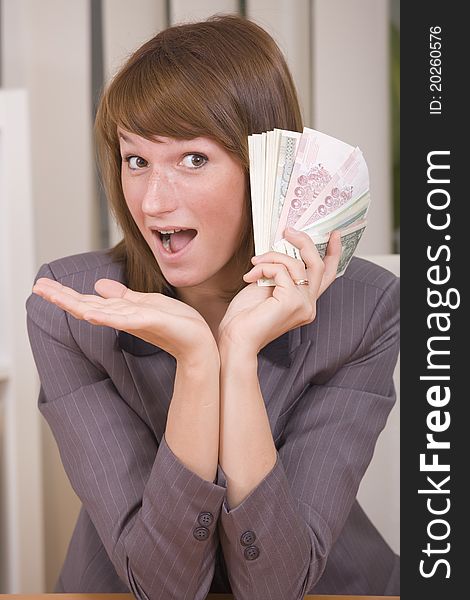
(156, 518)
(276, 542)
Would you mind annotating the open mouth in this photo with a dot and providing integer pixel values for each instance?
(175, 240)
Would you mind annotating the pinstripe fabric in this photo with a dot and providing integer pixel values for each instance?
(328, 391)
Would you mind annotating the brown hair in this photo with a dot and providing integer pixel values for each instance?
(223, 78)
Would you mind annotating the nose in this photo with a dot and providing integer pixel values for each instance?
(160, 195)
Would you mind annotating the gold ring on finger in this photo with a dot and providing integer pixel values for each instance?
(301, 281)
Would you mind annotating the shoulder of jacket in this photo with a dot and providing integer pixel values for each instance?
(362, 287)
(368, 273)
(93, 263)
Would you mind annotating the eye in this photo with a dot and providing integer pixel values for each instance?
(194, 160)
(135, 162)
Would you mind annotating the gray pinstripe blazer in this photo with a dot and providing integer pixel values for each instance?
(151, 526)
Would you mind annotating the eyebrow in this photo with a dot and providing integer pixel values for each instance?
(126, 139)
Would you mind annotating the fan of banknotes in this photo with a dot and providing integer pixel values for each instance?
(312, 182)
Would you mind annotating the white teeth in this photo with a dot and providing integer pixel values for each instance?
(168, 231)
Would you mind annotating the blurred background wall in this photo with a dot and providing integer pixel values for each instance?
(60, 52)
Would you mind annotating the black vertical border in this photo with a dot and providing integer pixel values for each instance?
(421, 133)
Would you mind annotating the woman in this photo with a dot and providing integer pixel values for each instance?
(215, 431)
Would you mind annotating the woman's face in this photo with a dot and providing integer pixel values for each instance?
(190, 185)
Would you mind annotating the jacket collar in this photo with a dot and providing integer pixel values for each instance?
(279, 351)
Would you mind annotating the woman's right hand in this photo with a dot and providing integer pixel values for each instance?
(158, 319)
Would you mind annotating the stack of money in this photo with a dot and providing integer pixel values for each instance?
(312, 182)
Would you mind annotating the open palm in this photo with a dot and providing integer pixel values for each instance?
(155, 318)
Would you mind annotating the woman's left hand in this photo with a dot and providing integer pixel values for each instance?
(259, 314)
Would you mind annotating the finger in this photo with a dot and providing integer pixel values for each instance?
(331, 260)
(110, 312)
(276, 271)
(74, 306)
(66, 298)
(53, 291)
(314, 264)
(109, 288)
(113, 312)
(295, 266)
(46, 288)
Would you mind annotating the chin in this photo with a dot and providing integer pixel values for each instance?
(184, 280)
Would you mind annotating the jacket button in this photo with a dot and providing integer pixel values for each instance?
(201, 533)
(251, 553)
(247, 538)
(205, 518)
